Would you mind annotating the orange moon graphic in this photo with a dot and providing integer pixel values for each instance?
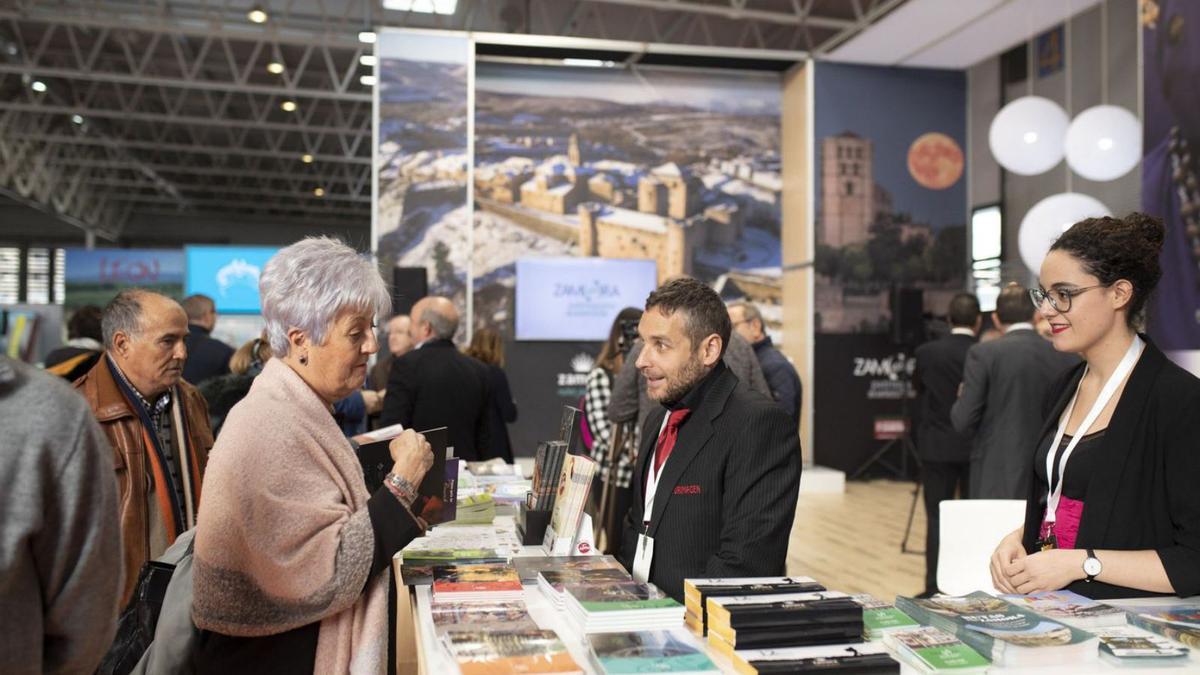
(935, 161)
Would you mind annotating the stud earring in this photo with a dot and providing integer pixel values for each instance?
(304, 360)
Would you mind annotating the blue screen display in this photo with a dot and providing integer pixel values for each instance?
(228, 275)
(578, 298)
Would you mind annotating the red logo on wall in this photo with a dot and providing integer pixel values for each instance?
(584, 547)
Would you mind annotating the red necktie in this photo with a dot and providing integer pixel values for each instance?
(666, 440)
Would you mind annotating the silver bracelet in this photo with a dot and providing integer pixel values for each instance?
(401, 488)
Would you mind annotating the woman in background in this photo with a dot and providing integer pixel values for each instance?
(604, 432)
(487, 347)
(1113, 511)
(224, 392)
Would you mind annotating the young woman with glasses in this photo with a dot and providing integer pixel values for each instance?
(1113, 510)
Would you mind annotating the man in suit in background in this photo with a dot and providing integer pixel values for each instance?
(718, 470)
(944, 453)
(435, 385)
(780, 373)
(1005, 382)
(208, 357)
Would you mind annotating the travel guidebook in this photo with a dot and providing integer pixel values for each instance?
(1178, 622)
(505, 615)
(1130, 646)
(792, 620)
(657, 651)
(416, 566)
(697, 591)
(931, 650)
(476, 582)
(552, 582)
(880, 617)
(438, 489)
(621, 606)
(1070, 608)
(490, 652)
(1006, 634)
(859, 659)
(529, 567)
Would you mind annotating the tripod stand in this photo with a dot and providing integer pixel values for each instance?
(907, 450)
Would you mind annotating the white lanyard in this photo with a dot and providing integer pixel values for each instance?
(1110, 387)
(652, 479)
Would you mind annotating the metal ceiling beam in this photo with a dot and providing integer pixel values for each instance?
(201, 149)
(193, 120)
(877, 11)
(736, 11)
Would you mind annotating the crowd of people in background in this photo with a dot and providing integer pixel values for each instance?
(156, 421)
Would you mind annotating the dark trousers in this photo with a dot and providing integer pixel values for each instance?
(940, 481)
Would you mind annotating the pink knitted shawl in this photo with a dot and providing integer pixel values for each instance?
(283, 537)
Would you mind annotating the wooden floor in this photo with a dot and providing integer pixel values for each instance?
(851, 542)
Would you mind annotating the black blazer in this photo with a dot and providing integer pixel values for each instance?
(502, 411)
(727, 496)
(206, 356)
(437, 386)
(1143, 492)
(938, 373)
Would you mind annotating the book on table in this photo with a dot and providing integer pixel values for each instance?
(870, 657)
(1004, 633)
(1129, 646)
(460, 583)
(552, 582)
(547, 469)
(489, 652)
(1180, 622)
(657, 651)
(502, 615)
(880, 617)
(933, 650)
(697, 591)
(1070, 608)
(416, 566)
(787, 620)
(574, 484)
(621, 606)
(528, 567)
(435, 492)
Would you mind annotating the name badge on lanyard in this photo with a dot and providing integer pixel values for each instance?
(1106, 393)
(644, 555)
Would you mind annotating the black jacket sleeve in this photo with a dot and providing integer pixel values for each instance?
(398, 402)
(502, 395)
(1182, 561)
(394, 528)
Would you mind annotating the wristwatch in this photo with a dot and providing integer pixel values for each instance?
(1091, 566)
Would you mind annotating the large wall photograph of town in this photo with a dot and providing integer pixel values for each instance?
(421, 210)
(891, 193)
(681, 168)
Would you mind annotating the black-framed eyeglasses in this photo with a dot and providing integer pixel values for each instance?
(1059, 298)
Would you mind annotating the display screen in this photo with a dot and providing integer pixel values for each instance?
(578, 298)
(228, 275)
(986, 233)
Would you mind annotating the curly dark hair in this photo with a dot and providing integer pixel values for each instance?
(703, 311)
(1112, 249)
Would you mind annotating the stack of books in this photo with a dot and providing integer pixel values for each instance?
(790, 620)
(466, 583)
(932, 650)
(697, 591)
(547, 469)
(1003, 633)
(624, 606)
(1127, 646)
(503, 615)
(489, 652)
(552, 582)
(529, 567)
(416, 566)
(1179, 622)
(655, 651)
(859, 658)
(475, 509)
(574, 484)
(1070, 608)
(880, 617)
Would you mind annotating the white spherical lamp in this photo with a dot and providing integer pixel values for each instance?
(1026, 136)
(1104, 142)
(1048, 219)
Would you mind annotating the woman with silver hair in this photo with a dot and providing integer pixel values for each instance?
(291, 547)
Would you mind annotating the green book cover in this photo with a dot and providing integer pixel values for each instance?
(647, 652)
(954, 656)
(625, 605)
(879, 616)
(936, 649)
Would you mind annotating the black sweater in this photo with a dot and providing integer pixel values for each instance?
(1142, 494)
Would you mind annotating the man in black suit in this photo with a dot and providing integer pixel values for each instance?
(1005, 383)
(944, 453)
(435, 385)
(718, 470)
(207, 357)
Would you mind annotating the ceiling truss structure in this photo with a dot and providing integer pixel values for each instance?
(116, 108)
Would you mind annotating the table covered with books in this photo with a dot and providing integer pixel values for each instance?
(476, 600)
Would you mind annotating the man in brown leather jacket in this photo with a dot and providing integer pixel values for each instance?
(156, 423)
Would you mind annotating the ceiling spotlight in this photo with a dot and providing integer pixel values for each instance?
(275, 67)
(367, 80)
(257, 15)
(320, 192)
(38, 86)
(367, 60)
(288, 106)
(367, 37)
(306, 158)
(77, 119)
